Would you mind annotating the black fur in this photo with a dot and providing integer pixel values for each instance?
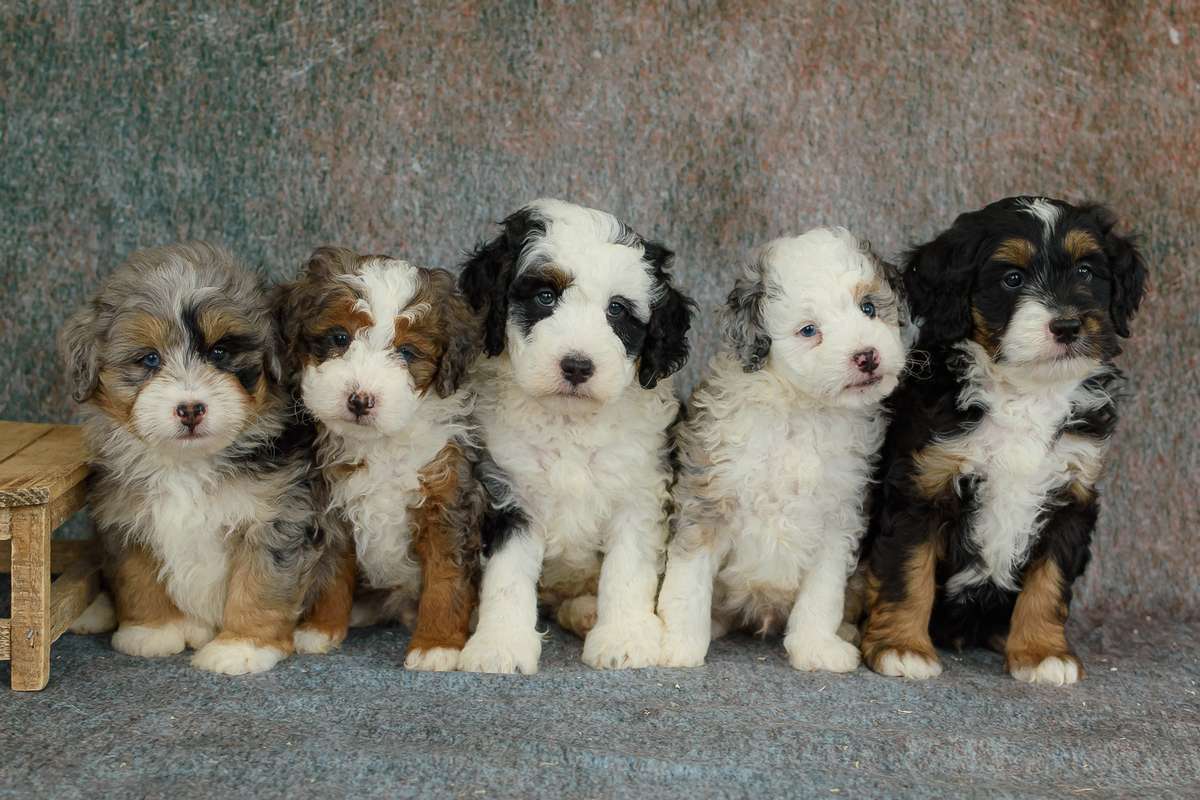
(742, 321)
(488, 273)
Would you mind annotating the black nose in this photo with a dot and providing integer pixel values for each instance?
(1066, 329)
(190, 414)
(866, 360)
(577, 369)
(360, 403)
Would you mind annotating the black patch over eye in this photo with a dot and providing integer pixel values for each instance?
(869, 309)
(1013, 279)
(151, 360)
(409, 353)
(1084, 272)
(546, 297)
(218, 355)
(616, 309)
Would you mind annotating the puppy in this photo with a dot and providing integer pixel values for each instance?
(583, 328)
(988, 495)
(778, 449)
(199, 490)
(377, 349)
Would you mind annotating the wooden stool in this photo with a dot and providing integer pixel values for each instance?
(42, 474)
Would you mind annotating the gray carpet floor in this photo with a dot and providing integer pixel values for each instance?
(746, 724)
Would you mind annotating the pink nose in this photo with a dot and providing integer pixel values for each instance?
(866, 360)
(360, 403)
(190, 414)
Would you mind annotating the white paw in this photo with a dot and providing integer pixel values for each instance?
(196, 633)
(236, 657)
(313, 641)
(1053, 671)
(149, 641)
(503, 652)
(99, 617)
(907, 665)
(821, 653)
(435, 659)
(681, 650)
(624, 644)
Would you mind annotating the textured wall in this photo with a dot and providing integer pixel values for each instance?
(712, 126)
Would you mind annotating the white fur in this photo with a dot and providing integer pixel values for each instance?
(99, 617)
(236, 657)
(313, 641)
(1052, 671)
(149, 641)
(907, 665)
(776, 465)
(186, 379)
(1045, 211)
(1017, 450)
(437, 659)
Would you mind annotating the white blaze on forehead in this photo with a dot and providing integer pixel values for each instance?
(581, 242)
(387, 287)
(1045, 211)
(817, 271)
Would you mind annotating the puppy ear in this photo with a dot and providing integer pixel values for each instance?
(288, 301)
(77, 342)
(742, 323)
(461, 331)
(938, 279)
(665, 349)
(1128, 271)
(488, 272)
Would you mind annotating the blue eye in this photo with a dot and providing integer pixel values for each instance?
(1013, 278)
(868, 308)
(545, 298)
(808, 331)
(151, 361)
(616, 309)
(408, 353)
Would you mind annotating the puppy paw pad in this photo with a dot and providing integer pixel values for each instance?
(823, 654)
(499, 655)
(313, 641)
(435, 659)
(907, 664)
(149, 641)
(236, 657)
(614, 646)
(1051, 671)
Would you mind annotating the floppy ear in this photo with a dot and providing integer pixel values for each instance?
(742, 323)
(938, 279)
(1128, 271)
(488, 272)
(461, 331)
(80, 350)
(665, 349)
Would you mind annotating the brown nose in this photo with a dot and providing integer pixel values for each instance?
(190, 414)
(866, 360)
(360, 403)
(1065, 329)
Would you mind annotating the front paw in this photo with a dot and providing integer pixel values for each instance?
(99, 617)
(624, 644)
(316, 641)
(681, 650)
(501, 652)
(821, 653)
(1062, 670)
(432, 659)
(906, 664)
(236, 657)
(149, 641)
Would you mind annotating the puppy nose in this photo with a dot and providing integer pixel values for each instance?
(190, 414)
(1065, 329)
(866, 360)
(576, 368)
(360, 403)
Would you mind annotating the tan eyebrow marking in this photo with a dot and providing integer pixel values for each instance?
(1016, 251)
(1080, 244)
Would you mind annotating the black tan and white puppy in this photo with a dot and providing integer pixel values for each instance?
(583, 328)
(988, 496)
(200, 488)
(778, 450)
(378, 348)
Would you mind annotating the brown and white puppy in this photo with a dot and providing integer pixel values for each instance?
(199, 492)
(377, 349)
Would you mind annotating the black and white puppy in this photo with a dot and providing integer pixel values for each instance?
(583, 328)
(988, 495)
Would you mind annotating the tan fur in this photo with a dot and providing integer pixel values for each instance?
(1038, 628)
(1015, 251)
(141, 599)
(936, 470)
(255, 609)
(1080, 244)
(903, 626)
(330, 613)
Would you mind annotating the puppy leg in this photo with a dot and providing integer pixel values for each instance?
(99, 617)
(627, 632)
(685, 601)
(326, 623)
(812, 640)
(506, 637)
(577, 614)
(149, 624)
(899, 605)
(447, 599)
(1036, 650)
(261, 608)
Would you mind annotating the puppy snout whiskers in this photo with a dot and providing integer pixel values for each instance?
(360, 403)
(576, 369)
(190, 414)
(866, 360)
(1066, 329)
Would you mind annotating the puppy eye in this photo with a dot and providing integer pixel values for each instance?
(617, 310)
(1084, 272)
(218, 355)
(546, 297)
(808, 331)
(338, 338)
(868, 308)
(408, 353)
(1013, 278)
(151, 360)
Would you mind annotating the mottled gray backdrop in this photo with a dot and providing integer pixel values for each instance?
(409, 128)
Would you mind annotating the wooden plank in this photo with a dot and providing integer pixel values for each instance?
(5, 526)
(62, 553)
(71, 594)
(4, 625)
(43, 472)
(16, 436)
(67, 503)
(29, 637)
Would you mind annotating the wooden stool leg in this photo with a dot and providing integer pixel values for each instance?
(30, 633)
